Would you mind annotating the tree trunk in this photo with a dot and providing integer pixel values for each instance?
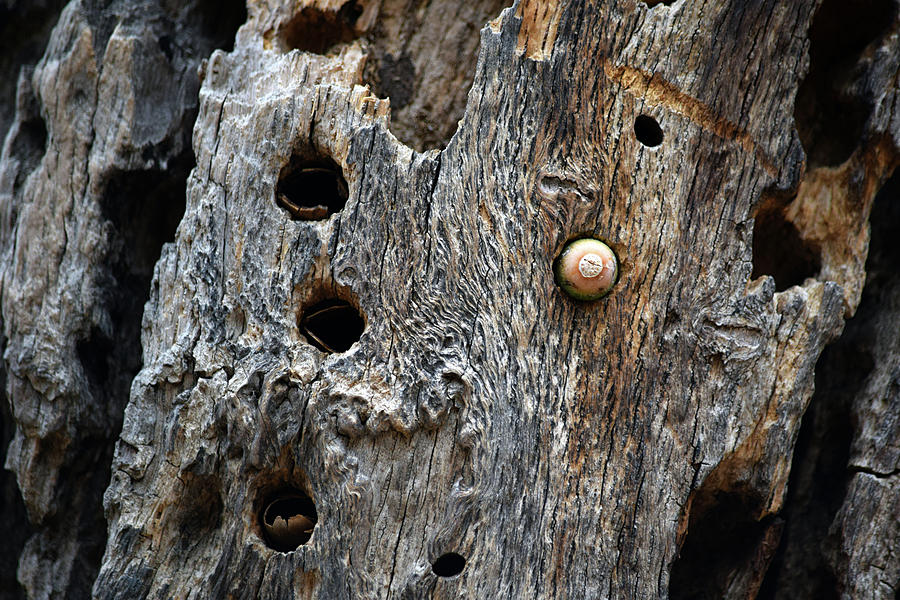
(352, 374)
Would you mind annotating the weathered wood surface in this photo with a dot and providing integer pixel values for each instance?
(564, 449)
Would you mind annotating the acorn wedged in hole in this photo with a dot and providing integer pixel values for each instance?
(586, 269)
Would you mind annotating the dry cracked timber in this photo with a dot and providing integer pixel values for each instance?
(636, 447)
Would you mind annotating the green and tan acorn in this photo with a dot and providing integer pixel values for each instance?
(586, 269)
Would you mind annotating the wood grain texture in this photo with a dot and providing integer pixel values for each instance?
(91, 180)
(563, 449)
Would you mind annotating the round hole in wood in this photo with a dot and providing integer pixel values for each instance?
(648, 131)
(312, 190)
(288, 520)
(332, 325)
(448, 565)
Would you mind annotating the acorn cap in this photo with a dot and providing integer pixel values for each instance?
(586, 269)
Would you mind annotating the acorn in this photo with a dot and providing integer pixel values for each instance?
(586, 269)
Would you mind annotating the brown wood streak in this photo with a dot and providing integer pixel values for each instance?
(657, 91)
(537, 32)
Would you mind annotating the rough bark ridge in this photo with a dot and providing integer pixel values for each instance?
(634, 447)
(91, 185)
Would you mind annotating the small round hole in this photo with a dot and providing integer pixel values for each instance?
(310, 191)
(448, 565)
(332, 325)
(288, 520)
(648, 131)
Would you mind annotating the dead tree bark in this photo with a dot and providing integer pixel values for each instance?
(352, 375)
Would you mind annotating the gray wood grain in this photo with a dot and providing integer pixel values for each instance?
(563, 449)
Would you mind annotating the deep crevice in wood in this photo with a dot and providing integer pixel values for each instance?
(24, 29)
(778, 249)
(830, 110)
(818, 477)
(28, 146)
(318, 31)
(820, 470)
(425, 67)
(144, 209)
(13, 518)
(219, 21)
(725, 546)
(95, 353)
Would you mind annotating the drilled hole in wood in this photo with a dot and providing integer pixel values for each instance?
(332, 325)
(311, 190)
(288, 520)
(448, 565)
(317, 31)
(779, 251)
(648, 131)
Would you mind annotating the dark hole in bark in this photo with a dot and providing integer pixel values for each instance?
(144, 208)
(830, 115)
(311, 190)
(220, 20)
(28, 146)
(396, 79)
(288, 520)
(648, 131)
(724, 544)
(779, 251)
(24, 30)
(13, 518)
(448, 565)
(332, 325)
(314, 30)
(200, 509)
(652, 3)
(94, 354)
